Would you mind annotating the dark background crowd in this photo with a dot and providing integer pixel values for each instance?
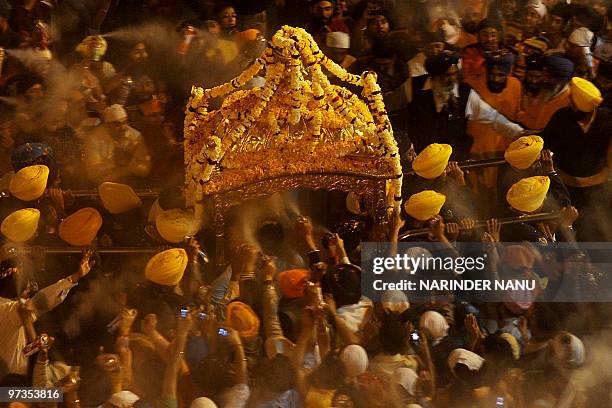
(92, 100)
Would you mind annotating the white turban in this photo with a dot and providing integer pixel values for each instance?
(538, 6)
(407, 378)
(395, 301)
(123, 399)
(419, 252)
(435, 324)
(462, 356)
(355, 360)
(568, 348)
(114, 113)
(582, 37)
(203, 402)
(338, 39)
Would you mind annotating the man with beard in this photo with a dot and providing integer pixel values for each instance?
(545, 90)
(115, 151)
(138, 79)
(322, 21)
(439, 107)
(502, 92)
(473, 56)
(579, 136)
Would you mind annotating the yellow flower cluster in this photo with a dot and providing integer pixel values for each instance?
(296, 123)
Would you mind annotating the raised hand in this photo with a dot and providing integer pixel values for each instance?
(492, 233)
(126, 320)
(546, 161)
(86, 262)
(455, 172)
(304, 226)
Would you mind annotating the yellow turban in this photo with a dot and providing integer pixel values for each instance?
(167, 267)
(585, 95)
(524, 151)
(118, 198)
(432, 161)
(29, 183)
(514, 345)
(81, 227)
(21, 225)
(528, 194)
(424, 205)
(240, 317)
(174, 225)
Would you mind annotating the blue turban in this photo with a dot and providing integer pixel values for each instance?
(560, 68)
(29, 154)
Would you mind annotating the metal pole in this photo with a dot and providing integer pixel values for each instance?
(94, 193)
(100, 250)
(481, 223)
(473, 164)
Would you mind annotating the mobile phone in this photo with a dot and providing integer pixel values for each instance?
(184, 312)
(202, 316)
(415, 338)
(499, 402)
(278, 345)
(223, 332)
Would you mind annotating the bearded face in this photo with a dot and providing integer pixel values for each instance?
(496, 79)
(533, 82)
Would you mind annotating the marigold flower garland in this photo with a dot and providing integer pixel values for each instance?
(273, 129)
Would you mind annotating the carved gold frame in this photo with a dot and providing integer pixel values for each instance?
(371, 186)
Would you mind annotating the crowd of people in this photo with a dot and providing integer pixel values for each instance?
(92, 99)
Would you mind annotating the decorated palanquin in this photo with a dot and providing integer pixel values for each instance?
(297, 130)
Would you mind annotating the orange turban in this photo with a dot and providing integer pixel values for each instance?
(240, 317)
(81, 228)
(293, 282)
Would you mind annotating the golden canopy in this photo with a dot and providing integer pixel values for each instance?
(296, 124)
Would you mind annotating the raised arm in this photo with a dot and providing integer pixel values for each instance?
(122, 345)
(48, 298)
(172, 368)
(272, 326)
(478, 110)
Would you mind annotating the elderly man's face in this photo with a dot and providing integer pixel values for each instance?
(323, 11)
(489, 39)
(118, 127)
